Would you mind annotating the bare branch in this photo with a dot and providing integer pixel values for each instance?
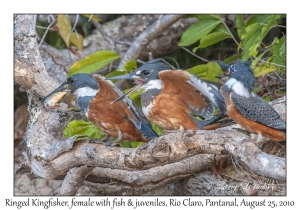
(73, 28)
(74, 180)
(162, 156)
(29, 69)
(186, 166)
(147, 36)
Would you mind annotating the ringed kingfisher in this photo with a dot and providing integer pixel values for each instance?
(171, 97)
(247, 109)
(93, 95)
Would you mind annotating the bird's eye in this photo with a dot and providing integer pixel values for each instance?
(231, 69)
(71, 80)
(146, 72)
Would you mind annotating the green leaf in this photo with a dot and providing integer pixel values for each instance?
(256, 89)
(85, 24)
(264, 69)
(253, 64)
(220, 28)
(115, 73)
(259, 19)
(232, 58)
(240, 24)
(207, 17)
(275, 41)
(250, 30)
(136, 144)
(247, 45)
(130, 65)
(125, 144)
(76, 40)
(64, 27)
(76, 127)
(266, 98)
(93, 62)
(213, 70)
(213, 38)
(197, 31)
(253, 49)
(199, 70)
(279, 54)
(159, 130)
(134, 96)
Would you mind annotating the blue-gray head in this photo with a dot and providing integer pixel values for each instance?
(241, 78)
(147, 72)
(77, 89)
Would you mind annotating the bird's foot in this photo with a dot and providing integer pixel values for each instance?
(116, 141)
(100, 141)
(257, 139)
(181, 130)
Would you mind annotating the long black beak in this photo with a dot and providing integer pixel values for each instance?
(137, 87)
(223, 65)
(60, 94)
(130, 76)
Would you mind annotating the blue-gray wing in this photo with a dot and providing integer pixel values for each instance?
(210, 92)
(256, 109)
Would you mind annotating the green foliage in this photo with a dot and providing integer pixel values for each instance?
(197, 31)
(210, 29)
(128, 66)
(206, 17)
(126, 144)
(207, 71)
(82, 127)
(159, 130)
(256, 30)
(240, 25)
(199, 70)
(278, 56)
(93, 62)
(217, 34)
(264, 69)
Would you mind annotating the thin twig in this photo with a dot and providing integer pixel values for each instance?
(140, 61)
(203, 59)
(43, 27)
(281, 26)
(73, 29)
(275, 64)
(229, 32)
(173, 59)
(91, 16)
(123, 42)
(49, 26)
(105, 36)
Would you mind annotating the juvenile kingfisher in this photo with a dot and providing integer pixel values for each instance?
(248, 109)
(171, 97)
